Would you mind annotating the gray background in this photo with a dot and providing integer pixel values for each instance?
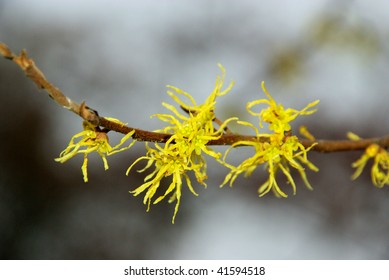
(119, 56)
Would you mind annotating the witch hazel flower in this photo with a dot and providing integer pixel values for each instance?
(184, 152)
(92, 139)
(281, 152)
(380, 167)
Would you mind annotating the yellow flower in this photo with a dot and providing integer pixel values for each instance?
(92, 139)
(275, 114)
(280, 152)
(167, 162)
(380, 168)
(183, 152)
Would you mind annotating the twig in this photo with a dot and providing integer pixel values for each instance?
(36, 75)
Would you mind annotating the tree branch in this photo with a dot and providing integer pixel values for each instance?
(34, 73)
(324, 146)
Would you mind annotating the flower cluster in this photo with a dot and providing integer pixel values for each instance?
(380, 167)
(191, 130)
(187, 139)
(92, 139)
(281, 151)
(183, 152)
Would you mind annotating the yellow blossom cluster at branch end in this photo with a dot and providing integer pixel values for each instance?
(380, 167)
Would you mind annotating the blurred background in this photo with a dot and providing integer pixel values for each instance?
(120, 55)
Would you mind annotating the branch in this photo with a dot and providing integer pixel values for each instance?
(324, 146)
(34, 73)
(328, 146)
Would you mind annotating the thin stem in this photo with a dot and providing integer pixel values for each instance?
(36, 75)
(328, 146)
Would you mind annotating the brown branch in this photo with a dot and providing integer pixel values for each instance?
(324, 146)
(328, 146)
(36, 75)
(33, 72)
(149, 136)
